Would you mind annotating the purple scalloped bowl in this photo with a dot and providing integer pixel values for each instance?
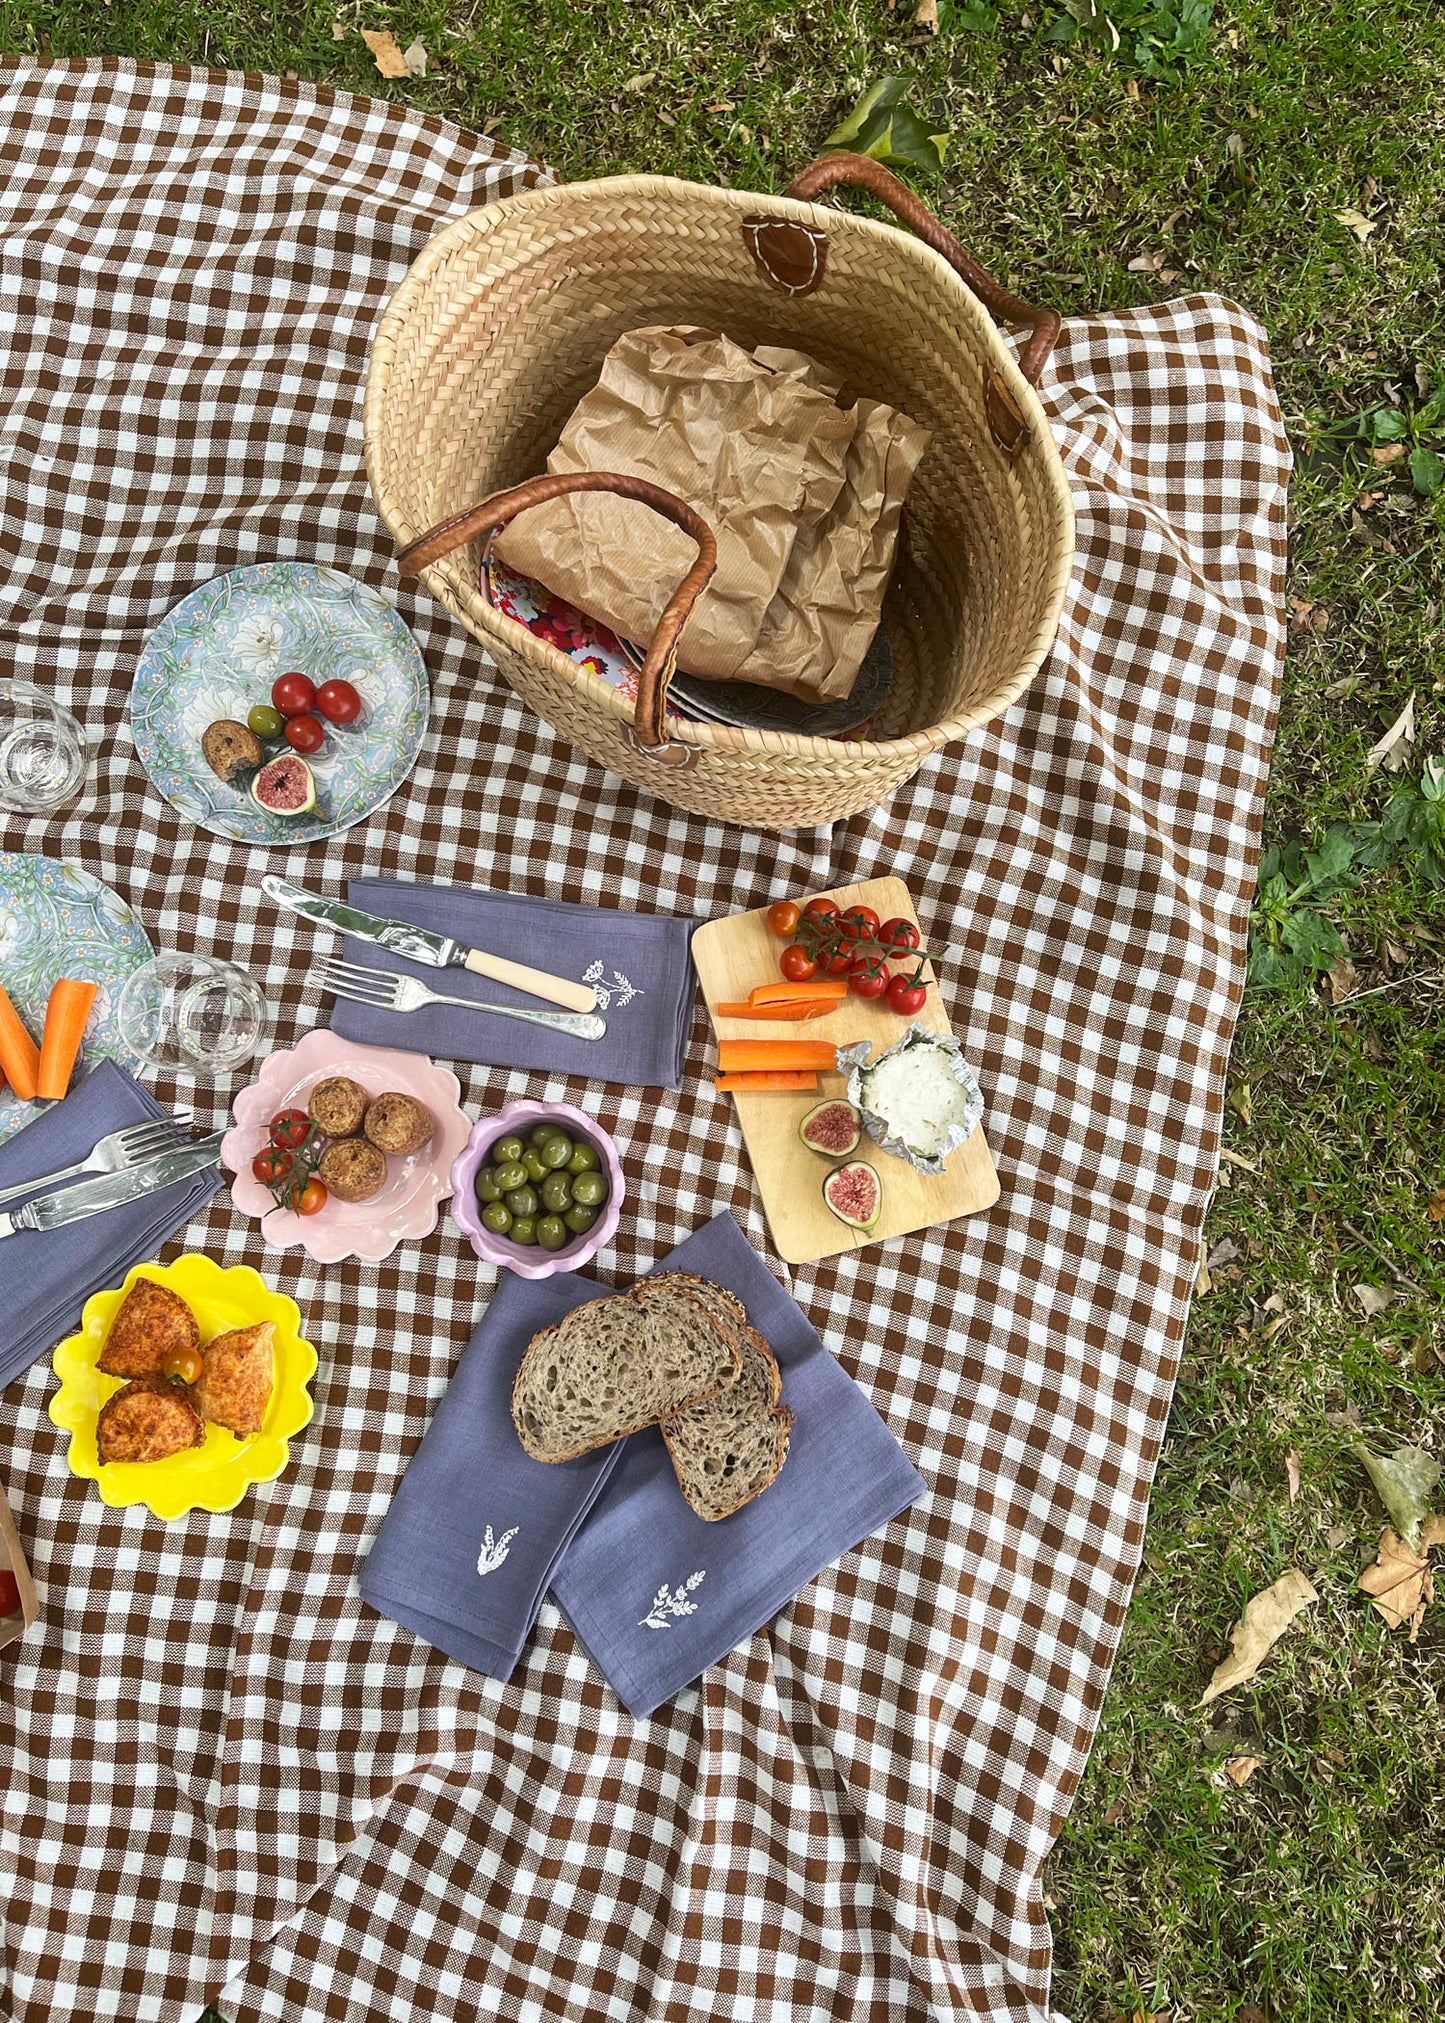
(520, 1118)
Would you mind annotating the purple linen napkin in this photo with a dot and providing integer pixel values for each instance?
(657, 1595)
(474, 1532)
(47, 1275)
(639, 962)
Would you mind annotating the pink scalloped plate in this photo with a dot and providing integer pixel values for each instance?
(409, 1204)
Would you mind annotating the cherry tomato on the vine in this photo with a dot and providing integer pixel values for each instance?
(797, 965)
(293, 694)
(866, 982)
(290, 1128)
(271, 1166)
(311, 1198)
(898, 935)
(783, 918)
(862, 923)
(906, 997)
(184, 1363)
(838, 963)
(818, 909)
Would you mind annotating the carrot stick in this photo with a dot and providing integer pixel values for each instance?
(750, 1056)
(65, 1017)
(780, 1079)
(808, 1008)
(829, 987)
(19, 1055)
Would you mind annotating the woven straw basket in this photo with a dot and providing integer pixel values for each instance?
(501, 327)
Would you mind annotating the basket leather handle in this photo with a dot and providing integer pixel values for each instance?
(793, 257)
(650, 717)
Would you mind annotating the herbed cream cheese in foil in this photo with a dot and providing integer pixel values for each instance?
(920, 1100)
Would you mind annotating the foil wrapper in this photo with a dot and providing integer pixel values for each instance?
(854, 1062)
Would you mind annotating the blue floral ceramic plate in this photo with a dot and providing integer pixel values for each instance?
(57, 920)
(217, 654)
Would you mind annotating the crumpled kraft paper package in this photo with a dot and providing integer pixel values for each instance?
(803, 495)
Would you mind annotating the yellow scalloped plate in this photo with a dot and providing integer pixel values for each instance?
(217, 1475)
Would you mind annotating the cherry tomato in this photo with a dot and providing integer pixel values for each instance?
(816, 909)
(9, 1593)
(783, 919)
(898, 935)
(838, 963)
(905, 996)
(311, 1199)
(293, 694)
(184, 1363)
(867, 982)
(338, 702)
(304, 734)
(862, 923)
(290, 1128)
(797, 965)
(271, 1166)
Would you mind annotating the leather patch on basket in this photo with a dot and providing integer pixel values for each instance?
(791, 257)
(1006, 423)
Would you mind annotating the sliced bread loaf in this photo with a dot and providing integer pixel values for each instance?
(618, 1364)
(727, 1450)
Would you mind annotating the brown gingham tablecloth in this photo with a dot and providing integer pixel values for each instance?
(222, 1776)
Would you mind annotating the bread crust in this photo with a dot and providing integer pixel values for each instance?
(779, 1414)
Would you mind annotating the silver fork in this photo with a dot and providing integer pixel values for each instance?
(115, 1153)
(385, 991)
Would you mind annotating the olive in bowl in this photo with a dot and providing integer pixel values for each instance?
(537, 1189)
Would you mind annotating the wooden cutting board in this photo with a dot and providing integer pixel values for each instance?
(733, 955)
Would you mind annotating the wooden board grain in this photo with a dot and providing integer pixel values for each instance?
(734, 954)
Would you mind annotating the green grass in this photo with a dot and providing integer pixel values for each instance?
(1318, 1890)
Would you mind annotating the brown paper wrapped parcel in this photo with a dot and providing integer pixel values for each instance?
(804, 496)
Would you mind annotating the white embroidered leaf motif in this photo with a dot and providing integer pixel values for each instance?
(624, 991)
(592, 971)
(495, 1550)
(666, 1604)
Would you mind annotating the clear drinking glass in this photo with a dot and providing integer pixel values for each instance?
(42, 751)
(192, 1014)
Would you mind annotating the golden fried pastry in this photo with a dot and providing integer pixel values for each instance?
(399, 1124)
(238, 1375)
(148, 1420)
(338, 1106)
(353, 1169)
(152, 1321)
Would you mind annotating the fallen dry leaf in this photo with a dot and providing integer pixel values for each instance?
(641, 81)
(383, 46)
(925, 16)
(1241, 1101)
(1224, 1252)
(1291, 1470)
(1404, 1482)
(1203, 1283)
(1238, 1159)
(1147, 263)
(338, 31)
(414, 57)
(1358, 223)
(1372, 1298)
(1239, 1769)
(1392, 750)
(1343, 979)
(1337, 1535)
(1338, 690)
(1399, 1583)
(1436, 1208)
(1274, 1304)
(1390, 453)
(1422, 1356)
(1131, 90)
(1255, 1635)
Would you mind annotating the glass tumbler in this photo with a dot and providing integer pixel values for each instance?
(42, 751)
(192, 1014)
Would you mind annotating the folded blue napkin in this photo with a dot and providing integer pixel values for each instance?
(639, 964)
(46, 1276)
(474, 1532)
(655, 1593)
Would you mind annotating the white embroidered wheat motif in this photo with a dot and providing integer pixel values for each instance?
(495, 1550)
(619, 988)
(665, 1603)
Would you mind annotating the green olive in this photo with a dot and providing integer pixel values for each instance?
(557, 1192)
(497, 1217)
(265, 721)
(513, 1174)
(524, 1229)
(552, 1232)
(589, 1190)
(557, 1151)
(536, 1165)
(506, 1151)
(487, 1189)
(579, 1218)
(541, 1133)
(584, 1159)
(523, 1201)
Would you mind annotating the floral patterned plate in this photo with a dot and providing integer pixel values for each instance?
(218, 652)
(57, 920)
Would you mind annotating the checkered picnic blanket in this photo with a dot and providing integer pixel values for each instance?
(222, 1776)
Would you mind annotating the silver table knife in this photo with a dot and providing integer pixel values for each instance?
(113, 1190)
(419, 944)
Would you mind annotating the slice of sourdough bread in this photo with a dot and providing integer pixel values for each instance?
(727, 1450)
(618, 1364)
